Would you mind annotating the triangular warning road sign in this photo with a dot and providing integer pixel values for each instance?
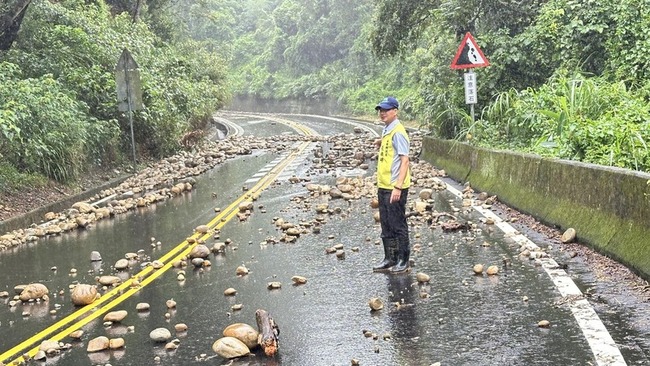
(469, 55)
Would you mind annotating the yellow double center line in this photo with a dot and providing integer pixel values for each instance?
(120, 293)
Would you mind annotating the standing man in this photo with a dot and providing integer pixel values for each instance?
(393, 181)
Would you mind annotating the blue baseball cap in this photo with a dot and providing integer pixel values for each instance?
(388, 103)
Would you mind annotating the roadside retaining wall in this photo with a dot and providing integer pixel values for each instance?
(608, 207)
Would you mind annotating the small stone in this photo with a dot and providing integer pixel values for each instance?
(274, 285)
(299, 280)
(142, 306)
(230, 291)
(376, 304)
(95, 256)
(98, 344)
(199, 251)
(492, 270)
(116, 343)
(180, 327)
(422, 277)
(241, 270)
(171, 304)
(48, 345)
(109, 280)
(160, 335)
(478, 269)
(568, 236)
(115, 316)
(203, 229)
(543, 324)
(122, 264)
(77, 334)
(40, 356)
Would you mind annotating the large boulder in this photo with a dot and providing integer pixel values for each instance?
(33, 291)
(83, 294)
(244, 332)
(230, 347)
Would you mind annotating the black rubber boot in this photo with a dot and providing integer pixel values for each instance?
(390, 255)
(403, 256)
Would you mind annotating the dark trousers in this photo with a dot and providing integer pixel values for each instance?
(392, 215)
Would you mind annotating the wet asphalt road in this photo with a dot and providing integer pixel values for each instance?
(456, 319)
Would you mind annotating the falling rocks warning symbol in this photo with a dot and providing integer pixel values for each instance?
(469, 55)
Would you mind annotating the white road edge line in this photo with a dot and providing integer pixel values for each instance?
(605, 350)
(233, 128)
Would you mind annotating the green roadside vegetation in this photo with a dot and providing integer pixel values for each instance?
(568, 78)
(58, 99)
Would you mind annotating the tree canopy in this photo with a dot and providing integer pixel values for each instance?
(562, 71)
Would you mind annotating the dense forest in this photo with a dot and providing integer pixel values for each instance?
(568, 78)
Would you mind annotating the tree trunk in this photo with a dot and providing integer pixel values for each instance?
(11, 16)
(269, 332)
(136, 11)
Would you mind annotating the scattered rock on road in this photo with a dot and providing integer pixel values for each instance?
(160, 335)
(230, 347)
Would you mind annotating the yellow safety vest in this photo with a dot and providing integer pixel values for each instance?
(385, 160)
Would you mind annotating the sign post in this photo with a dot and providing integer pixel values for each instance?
(129, 91)
(469, 56)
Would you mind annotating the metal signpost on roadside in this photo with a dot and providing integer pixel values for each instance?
(129, 91)
(469, 56)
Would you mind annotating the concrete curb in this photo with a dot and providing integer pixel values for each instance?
(36, 215)
(609, 207)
